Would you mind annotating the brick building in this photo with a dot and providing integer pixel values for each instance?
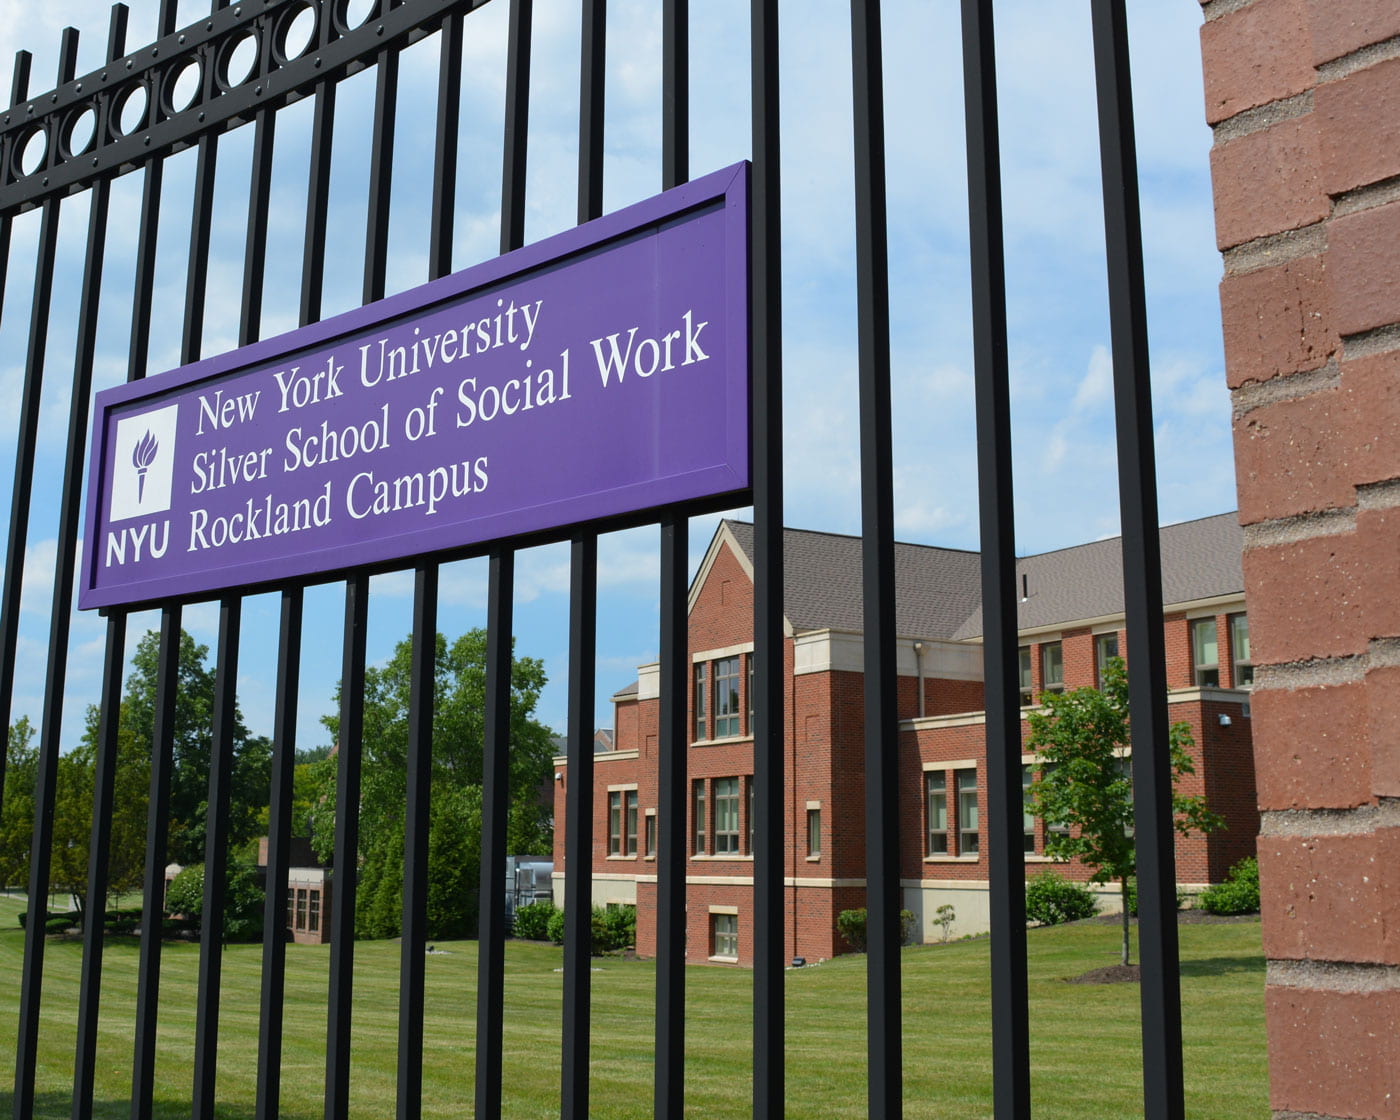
(1071, 617)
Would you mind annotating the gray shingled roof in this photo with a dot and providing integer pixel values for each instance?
(938, 590)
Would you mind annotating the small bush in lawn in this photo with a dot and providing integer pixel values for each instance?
(1239, 894)
(554, 928)
(850, 924)
(620, 926)
(532, 920)
(944, 917)
(58, 925)
(1052, 899)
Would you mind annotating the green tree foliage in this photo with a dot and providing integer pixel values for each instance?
(243, 899)
(17, 812)
(193, 740)
(455, 806)
(1086, 782)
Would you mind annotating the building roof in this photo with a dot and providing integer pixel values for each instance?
(938, 591)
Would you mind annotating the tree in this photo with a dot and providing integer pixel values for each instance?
(1086, 781)
(193, 743)
(17, 811)
(455, 803)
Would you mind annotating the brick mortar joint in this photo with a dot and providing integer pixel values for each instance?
(1364, 820)
(1378, 495)
(1334, 70)
(1333, 976)
(1214, 9)
(1287, 387)
(1381, 653)
(1257, 118)
(1367, 344)
(1275, 249)
(1300, 528)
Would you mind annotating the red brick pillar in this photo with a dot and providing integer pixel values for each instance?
(1304, 99)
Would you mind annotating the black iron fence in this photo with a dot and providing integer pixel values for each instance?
(241, 65)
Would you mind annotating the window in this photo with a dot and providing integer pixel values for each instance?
(651, 835)
(701, 710)
(1205, 652)
(1052, 667)
(622, 822)
(291, 906)
(1242, 665)
(936, 794)
(814, 833)
(726, 816)
(750, 697)
(726, 697)
(301, 908)
(967, 813)
(1027, 693)
(697, 816)
(724, 933)
(1027, 812)
(1105, 650)
(313, 911)
(748, 808)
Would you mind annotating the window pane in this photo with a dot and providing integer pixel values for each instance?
(700, 713)
(814, 832)
(614, 823)
(726, 934)
(1239, 650)
(726, 697)
(631, 835)
(1105, 650)
(651, 835)
(726, 816)
(1027, 816)
(313, 911)
(698, 816)
(1205, 652)
(1052, 666)
(936, 782)
(967, 812)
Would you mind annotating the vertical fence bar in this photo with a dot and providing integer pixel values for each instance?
(417, 791)
(216, 834)
(494, 799)
(673, 767)
(197, 277)
(578, 826)
(766, 354)
(885, 1037)
(157, 830)
(1162, 1074)
(279, 830)
(517, 125)
(1006, 861)
(583, 626)
(423, 671)
(46, 777)
(347, 846)
(105, 762)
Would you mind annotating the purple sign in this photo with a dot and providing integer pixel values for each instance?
(598, 373)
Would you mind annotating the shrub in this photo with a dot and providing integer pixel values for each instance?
(554, 928)
(1239, 894)
(61, 924)
(185, 895)
(850, 924)
(614, 928)
(1052, 899)
(944, 917)
(532, 920)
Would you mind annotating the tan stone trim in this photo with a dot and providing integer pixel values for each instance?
(814, 805)
(599, 757)
(721, 652)
(952, 764)
(624, 787)
(724, 910)
(1333, 976)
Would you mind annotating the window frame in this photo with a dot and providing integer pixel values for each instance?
(1201, 670)
(814, 833)
(964, 831)
(1027, 681)
(1240, 665)
(726, 801)
(649, 833)
(1102, 656)
(1028, 817)
(698, 833)
(935, 786)
(701, 723)
(728, 719)
(724, 943)
(1047, 650)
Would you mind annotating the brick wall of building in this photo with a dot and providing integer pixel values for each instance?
(1304, 99)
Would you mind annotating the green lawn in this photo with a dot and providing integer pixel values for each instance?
(1085, 1038)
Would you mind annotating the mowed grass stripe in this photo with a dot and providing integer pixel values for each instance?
(1086, 1049)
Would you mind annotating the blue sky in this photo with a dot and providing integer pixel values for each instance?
(1062, 394)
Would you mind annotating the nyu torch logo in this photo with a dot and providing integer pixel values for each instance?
(143, 468)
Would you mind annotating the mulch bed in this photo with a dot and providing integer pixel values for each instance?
(1114, 974)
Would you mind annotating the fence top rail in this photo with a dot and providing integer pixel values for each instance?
(209, 77)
